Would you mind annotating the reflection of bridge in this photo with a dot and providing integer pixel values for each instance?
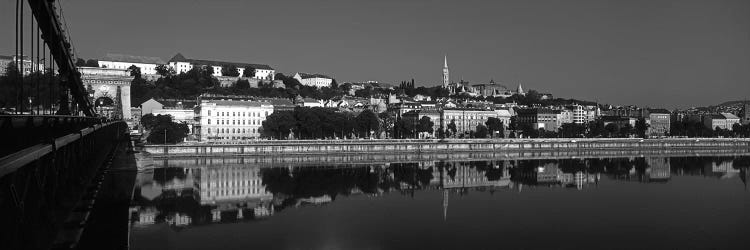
(54, 143)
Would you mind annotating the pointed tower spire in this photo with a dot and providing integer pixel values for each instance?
(446, 76)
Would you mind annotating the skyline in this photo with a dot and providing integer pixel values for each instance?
(647, 53)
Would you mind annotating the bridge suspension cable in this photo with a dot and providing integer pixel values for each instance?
(35, 88)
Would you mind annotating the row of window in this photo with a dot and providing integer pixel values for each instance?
(236, 192)
(251, 114)
(235, 183)
(231, 131)
(236, 122)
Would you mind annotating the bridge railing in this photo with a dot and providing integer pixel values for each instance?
(39, 185)
(22, 131)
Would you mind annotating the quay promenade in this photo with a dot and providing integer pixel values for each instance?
(367, 146)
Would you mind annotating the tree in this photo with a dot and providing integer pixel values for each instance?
(626, 131)
(481, 131)
(425, 125)
(334, 84)
(148, 121)
(495, 125)
(367, 121)
(279, 124)
(611, 129)
(572, 130)
(250, 72)
(596, 128)
(208, 70)
(242, 84)
(80, 62)
(452, 127)
(92, 63)
(164, 130)
(641, 127)
(135, 71)
(164, 70)
(230, 70)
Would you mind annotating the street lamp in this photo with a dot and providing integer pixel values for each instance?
(101, 111)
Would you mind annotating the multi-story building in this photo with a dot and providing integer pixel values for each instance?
(659, 122)
(403, 107)
(147, 64)
(731, 120)
(721, 121)
(412, 120)
(466, 119)
(538, 118)
(579, 114)
(313, 80)
(232, 120)
(260, 71)
(746, 114)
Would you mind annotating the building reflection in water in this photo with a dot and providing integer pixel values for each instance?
(206, 194)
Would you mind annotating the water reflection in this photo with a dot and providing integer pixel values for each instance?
(194, 196)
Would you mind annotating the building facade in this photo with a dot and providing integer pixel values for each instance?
(147, 64)
(181, 64)
(466, 119)
(659, 122)
(232, 120)
(313, 80)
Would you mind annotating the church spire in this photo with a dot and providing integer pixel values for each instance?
(446, 74)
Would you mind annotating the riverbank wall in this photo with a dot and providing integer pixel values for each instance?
(318, 147)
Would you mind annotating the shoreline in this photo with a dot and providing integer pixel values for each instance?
(434, 146)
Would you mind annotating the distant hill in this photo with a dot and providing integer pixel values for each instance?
(734, 103)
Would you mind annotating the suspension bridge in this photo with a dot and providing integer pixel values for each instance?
(56, 148)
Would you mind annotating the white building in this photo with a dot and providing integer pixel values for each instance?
(28, 65)
(261, 71)
(232, 120)
(313, 80)
(579, 114)
(147, 64)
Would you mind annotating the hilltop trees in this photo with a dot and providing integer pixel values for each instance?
(230, 70)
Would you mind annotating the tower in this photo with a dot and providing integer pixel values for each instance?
(520, 90)
(446, 76)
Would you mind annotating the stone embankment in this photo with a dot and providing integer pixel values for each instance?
(321, 147)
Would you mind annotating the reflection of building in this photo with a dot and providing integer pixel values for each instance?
(658, 169)
(231, 183)
(469, 177)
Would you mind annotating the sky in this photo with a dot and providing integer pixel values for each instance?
(654, 53)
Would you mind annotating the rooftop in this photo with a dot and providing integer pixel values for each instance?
(132, 59)
(307, 76)
(180, 58)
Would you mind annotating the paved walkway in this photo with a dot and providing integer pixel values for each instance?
(108, 227)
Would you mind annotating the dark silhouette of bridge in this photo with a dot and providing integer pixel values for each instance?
(55, 148)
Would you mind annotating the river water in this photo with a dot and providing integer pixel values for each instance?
(612, 203)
